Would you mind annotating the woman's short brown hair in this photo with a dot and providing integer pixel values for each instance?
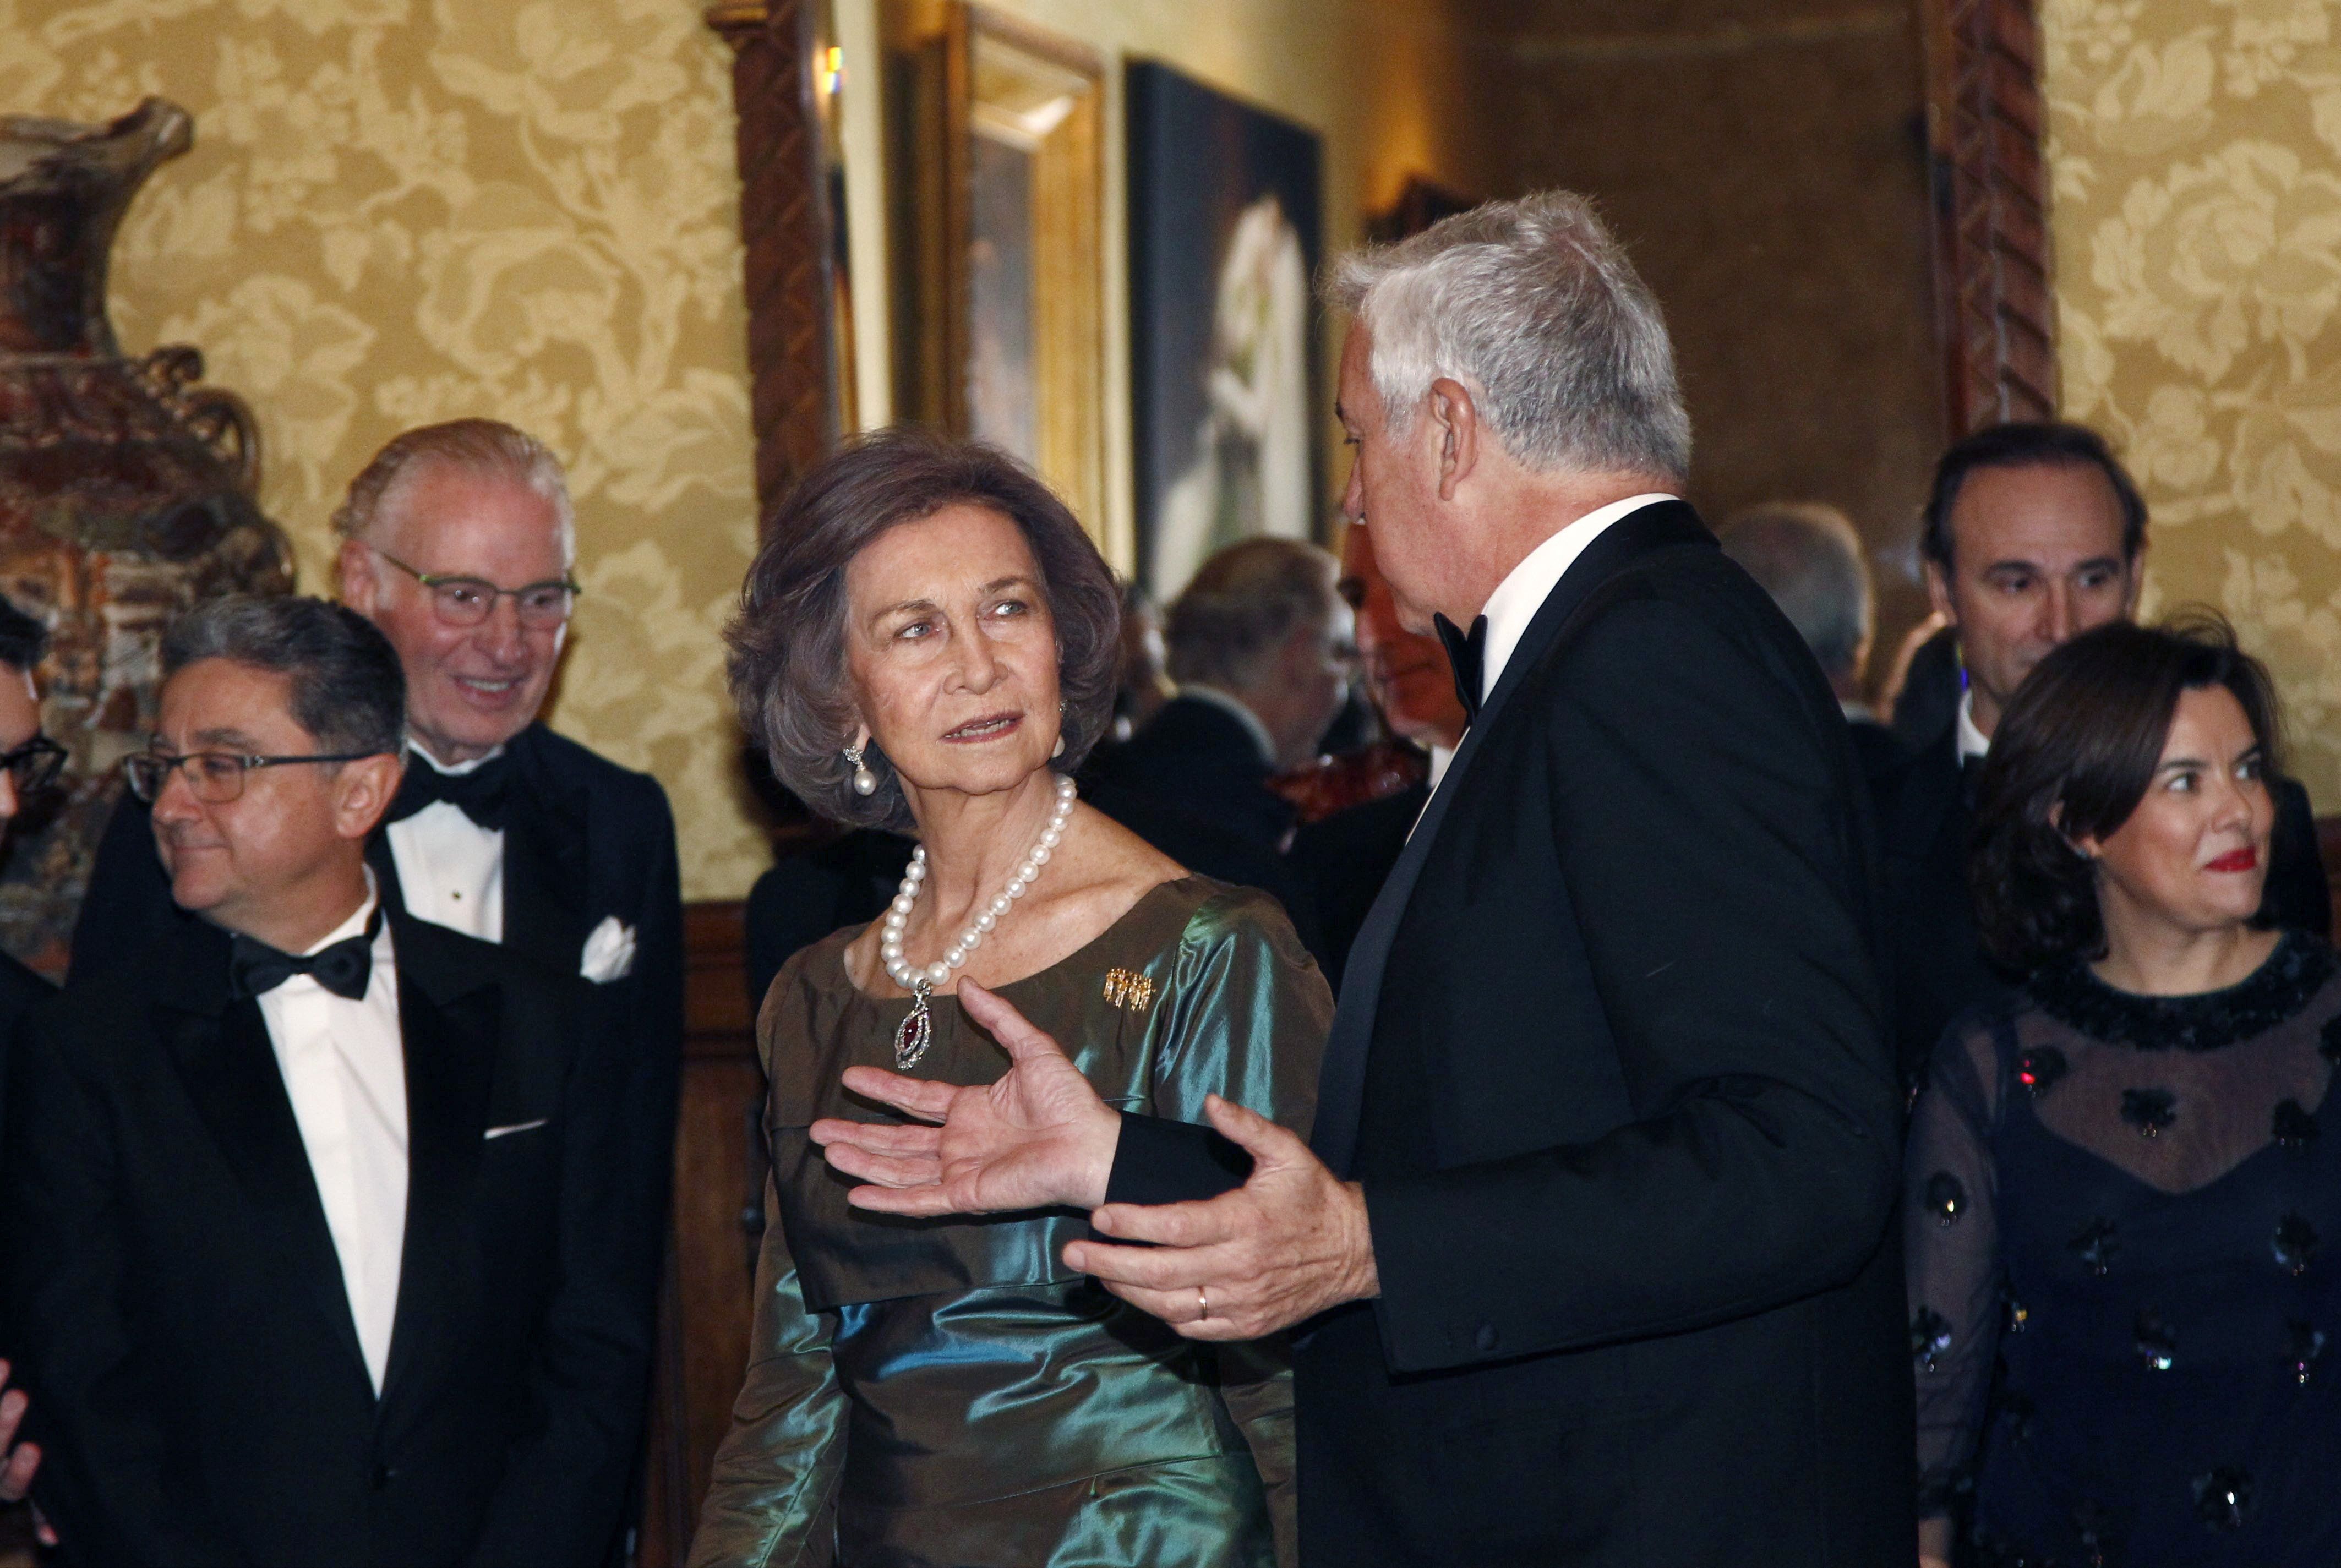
(2074, 755)
(787, 664)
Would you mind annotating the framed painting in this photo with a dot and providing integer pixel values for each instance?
(1225, 239)
(1000, 299)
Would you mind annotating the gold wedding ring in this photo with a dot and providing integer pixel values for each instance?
(1203, 1305)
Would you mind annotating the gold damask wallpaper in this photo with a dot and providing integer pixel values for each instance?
(2196, 152)
(400, 211)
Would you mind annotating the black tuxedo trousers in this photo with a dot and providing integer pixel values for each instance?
(1611, 1065)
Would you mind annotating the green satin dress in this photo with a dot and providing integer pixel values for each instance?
(947, 1391)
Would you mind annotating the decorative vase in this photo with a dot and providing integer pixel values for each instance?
(125, 490)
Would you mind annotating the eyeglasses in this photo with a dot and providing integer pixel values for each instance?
(469, 600)
(33, 766)
(214, 777)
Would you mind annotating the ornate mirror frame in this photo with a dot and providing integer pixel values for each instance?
(1995, 308)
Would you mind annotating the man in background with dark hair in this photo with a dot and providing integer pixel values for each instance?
(1807, 556)
(322, 1248)
(1260, 649)
(2033, 533)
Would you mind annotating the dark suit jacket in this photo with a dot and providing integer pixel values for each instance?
(1939, 967)
(1199, 759)
(179, 1310)
(1611, 1064)
(1344, 859)
(19, 989)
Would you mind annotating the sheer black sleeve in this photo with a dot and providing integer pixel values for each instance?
(1951, 1243)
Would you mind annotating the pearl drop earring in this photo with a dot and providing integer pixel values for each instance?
(865, 782)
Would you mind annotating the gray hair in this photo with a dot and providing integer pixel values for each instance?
(1807, 557)
(349, 691)
(484, 448)
(1533, 306)
(1242, 604)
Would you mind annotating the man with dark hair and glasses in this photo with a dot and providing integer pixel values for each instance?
(318, 1250)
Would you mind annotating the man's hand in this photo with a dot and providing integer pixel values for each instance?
(1284, 1246)
(1037, 1138)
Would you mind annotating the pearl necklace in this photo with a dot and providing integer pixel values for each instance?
(911, 1041)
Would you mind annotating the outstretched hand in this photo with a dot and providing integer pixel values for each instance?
(1038, 1138)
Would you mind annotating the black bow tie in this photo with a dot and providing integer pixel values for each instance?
(342, 968)
(1464, 654)
(482, 793)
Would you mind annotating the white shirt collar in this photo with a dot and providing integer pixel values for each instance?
(454, 770)
(1441, 756)
(1972, 741)
(1525, 588)
(1234, 707)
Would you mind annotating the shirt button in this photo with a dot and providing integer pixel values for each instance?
(1486, 1337)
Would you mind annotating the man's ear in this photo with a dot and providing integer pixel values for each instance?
(361, 583)
(1455, 419)
(363, 791)
(1938, 591)
(2136, 568)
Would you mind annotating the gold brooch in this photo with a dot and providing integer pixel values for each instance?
(1125, 988)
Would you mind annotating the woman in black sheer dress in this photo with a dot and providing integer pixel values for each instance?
(2121, 1181)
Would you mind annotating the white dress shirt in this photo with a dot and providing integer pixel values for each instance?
(451, 869)
(345, 1067)
(1973, 742)
(1441, 756)
(1525, 588)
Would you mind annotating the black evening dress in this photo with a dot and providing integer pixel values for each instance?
(2122, 1294)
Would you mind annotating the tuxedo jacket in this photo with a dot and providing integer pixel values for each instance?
(19, 989)
(177, 1308)
(1939, 968)
(1611, 1065)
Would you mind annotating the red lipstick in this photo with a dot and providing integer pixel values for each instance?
(2244, 859)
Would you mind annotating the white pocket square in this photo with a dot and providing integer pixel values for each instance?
(609, 952)
(515, 1127)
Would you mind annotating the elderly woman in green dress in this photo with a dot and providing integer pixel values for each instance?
(928, 643)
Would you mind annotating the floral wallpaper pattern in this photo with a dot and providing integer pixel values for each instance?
(2195, 147)
(400, 211)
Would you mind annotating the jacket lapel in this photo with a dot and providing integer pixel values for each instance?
(222, 1053)
(548, 903)
(1340, 1088)
(448, 1020)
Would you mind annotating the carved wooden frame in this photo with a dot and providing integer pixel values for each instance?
(1992, 263)
(784, 225)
